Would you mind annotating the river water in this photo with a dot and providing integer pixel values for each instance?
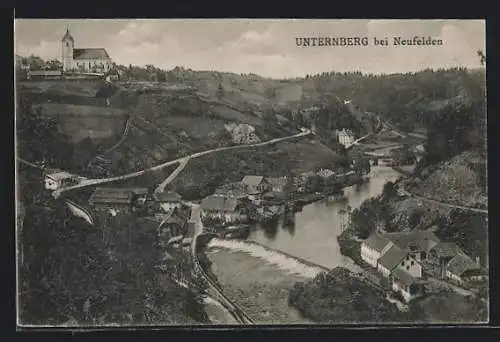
(313, 236)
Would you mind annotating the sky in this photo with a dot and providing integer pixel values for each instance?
(264, 47)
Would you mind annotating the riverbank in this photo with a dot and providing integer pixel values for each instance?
(260, 288)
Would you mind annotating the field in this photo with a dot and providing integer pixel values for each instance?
(79, 122)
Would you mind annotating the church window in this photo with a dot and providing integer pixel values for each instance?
(67, 44)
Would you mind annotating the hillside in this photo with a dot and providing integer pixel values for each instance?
(460, 180)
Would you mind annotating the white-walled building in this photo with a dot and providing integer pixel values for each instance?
(373, 248)
(91, 60)
(397, 258)
(345, 136)
(56, 180)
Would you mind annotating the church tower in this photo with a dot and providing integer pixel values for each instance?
(67, 46)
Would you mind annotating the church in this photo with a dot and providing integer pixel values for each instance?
(91, 60)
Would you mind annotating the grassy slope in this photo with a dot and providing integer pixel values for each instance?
(454, 181)
(177, 119)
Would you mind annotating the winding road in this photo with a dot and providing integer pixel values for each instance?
(90, 182)
(239, 315)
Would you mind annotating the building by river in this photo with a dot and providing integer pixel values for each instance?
(314, 233)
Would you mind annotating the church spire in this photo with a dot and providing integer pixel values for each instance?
(67, 36)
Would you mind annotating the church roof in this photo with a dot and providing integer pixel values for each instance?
(67, 36)
(90, 53)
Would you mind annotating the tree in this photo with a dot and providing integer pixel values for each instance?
(220, 92)
(389, 190)
(160, 76)
(482, 57)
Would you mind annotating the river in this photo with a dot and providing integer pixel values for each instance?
(313, 236)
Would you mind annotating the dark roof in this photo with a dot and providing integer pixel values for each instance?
(169, 196)
(67, 35)
(446, 250)
(219, 202)
(376, 242)
(460, 263)
(90, 53)
(418, 240)
(115, 195)
(404, 277)
(252, 180)
(474, 272)
(392, 257)
(111, 195)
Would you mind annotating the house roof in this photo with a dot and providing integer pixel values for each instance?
(404, 277)
(219, 202)
(376, 242)
(475, 272)
(252, 180)
(461, 263)
(90, 53)
(414, 240)
(111, 195)
(168, 196)
(392, 257)
(277, 181)
(60, 175)
(446, 250)
(115, 195)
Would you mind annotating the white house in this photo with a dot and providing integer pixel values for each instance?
(168, 200)
(58, 179)
(417, 243)
(397, 258)
(223, 208)
(406, 285)
(345, 136)
(373, 248)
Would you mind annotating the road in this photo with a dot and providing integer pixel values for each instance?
(445, 204)
(161, 187)
(231, 307)
(90, 182)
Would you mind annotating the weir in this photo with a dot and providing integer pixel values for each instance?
(284, 261)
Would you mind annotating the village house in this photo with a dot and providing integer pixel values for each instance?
(90, 60)
(118, 200)
(373, 248)
(458, 266)
(441, 254)
(223, 209)
(56, 180)
(345, 136)
(255, 185)
(230, 190)
(168, 200)
(397, 258)
(417, 243)
(278, 184)
(406, 285)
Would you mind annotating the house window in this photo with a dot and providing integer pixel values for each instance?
(407, 257)
(412, 263)
(403, 263)
(407, 268)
